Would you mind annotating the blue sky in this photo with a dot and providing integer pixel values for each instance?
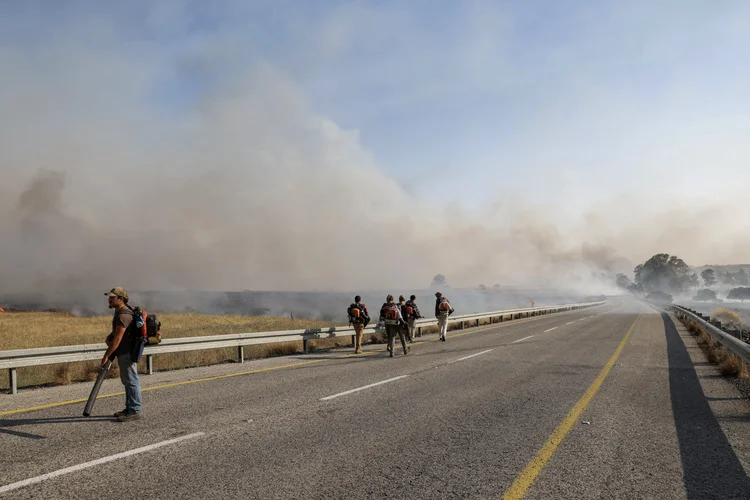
(485, 108)
(502, 92)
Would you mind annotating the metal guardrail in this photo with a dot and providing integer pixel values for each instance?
(20, 358)
(738, 347)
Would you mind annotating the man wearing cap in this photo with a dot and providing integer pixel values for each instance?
(119, 344)
(442, 316)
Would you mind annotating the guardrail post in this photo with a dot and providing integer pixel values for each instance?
(354, 341)
(305, 346)
(149, 364)
(477, 322)
(419, 331)
(240, 354)
(13, 380)
(490, 320)
(462, 325)
(501, 318)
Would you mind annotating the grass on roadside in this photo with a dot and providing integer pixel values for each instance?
(729, 364)
(42, 329)
(25, 330)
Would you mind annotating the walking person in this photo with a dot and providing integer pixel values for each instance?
(390, 314)
(413, 315)
(443, 309)
(404, 314)
(358, 318)
(120, 344)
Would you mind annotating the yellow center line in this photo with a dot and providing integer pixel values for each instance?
(163, 386)
(530, 473)
(207, 379)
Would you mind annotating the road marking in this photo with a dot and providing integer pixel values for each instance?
(164, 386)
(519, 340)
(546, 331)
(530, 473)
(471, 356)
(93, 463)
(570, 323)
(327, 398)
(196, 381)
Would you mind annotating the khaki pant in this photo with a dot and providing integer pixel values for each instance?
(392, 331)
(412, 328)
(358, 329)
(443, 324)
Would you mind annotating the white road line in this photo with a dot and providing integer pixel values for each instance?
(362, 388)
(467, 357)
(111, 458)
(519, 340)
(570, 323)
(555, 328)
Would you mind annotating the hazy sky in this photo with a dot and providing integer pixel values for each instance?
(333, 144)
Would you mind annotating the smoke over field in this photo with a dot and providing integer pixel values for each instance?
(130, 159)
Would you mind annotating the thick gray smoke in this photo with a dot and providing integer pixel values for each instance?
(247, 187)
(254, 192)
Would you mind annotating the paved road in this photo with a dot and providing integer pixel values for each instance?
(608, 402)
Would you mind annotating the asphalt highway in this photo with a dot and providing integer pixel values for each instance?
(607, 402)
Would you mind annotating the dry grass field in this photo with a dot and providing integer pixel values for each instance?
(41, 329)
(23, 330)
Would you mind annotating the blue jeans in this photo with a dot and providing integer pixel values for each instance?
(129, 378)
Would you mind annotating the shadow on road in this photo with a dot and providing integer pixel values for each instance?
(710, 467)
(5, 424)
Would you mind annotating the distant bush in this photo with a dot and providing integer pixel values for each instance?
(659, 296)
(741, 293)
(705, 295)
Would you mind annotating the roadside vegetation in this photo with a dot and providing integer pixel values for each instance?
(24, 330)
(729, 364)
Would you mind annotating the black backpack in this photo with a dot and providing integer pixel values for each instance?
(135, 330)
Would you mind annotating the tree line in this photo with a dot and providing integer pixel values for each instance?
(664, 274)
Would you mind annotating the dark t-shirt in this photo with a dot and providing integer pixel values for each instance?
(124, 318)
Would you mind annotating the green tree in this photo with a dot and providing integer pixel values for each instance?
(636, 289)
(438, 280)
(705, 295)
(727, 278)
(741, 293)
(659, 296)
(709, 277)
(741, 278)
(622, 281)
(666, 273)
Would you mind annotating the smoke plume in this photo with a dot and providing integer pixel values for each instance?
(235, 182)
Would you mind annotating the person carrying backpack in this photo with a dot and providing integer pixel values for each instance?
(358, 318)
(413, 315)
(390, 314)
(443, 309)
(120, 344)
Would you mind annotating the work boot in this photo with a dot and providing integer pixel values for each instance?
(442, 338)
(358, 351)
(128, 416)
(391, 355)
(120, 413)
